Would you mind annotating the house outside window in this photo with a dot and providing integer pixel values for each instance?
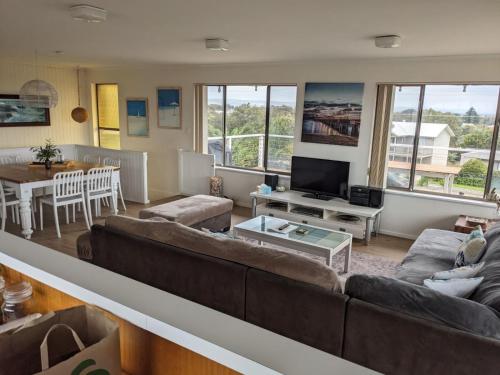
(251, 126)
(444, 139)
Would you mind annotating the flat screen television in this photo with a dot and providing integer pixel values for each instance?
(322, 179)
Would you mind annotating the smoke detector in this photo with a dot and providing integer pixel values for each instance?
(388, 41)
(88, 13)
(217, 44)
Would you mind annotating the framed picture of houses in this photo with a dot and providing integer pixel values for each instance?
(137, 117)
(14, 113)
(169, 106)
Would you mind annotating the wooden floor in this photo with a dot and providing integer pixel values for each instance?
(387, 246)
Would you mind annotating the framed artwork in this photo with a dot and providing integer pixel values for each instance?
(137, 117)
(169, 104)
(332, 113)
(14, 113)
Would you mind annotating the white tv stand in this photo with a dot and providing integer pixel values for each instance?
(327, 212)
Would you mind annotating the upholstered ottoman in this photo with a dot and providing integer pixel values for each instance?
(199, 211)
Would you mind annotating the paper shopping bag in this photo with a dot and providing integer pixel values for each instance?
(76, 341)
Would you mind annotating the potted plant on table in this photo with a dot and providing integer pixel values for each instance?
(45, 153)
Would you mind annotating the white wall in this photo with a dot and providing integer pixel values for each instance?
(162, 144)
(63, 130)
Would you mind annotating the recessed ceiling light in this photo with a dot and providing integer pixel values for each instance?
(88, 13)
(388, 41)
(58, 52)
(217, 44)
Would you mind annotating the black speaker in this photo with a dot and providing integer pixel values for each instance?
(359, 195)
(366, 196)
(376, 197)
(271, 180)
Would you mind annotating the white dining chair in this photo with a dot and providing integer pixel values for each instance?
(98, 187)
(12, 202)
(117, 164)
(9, 160)
(67, 189)
(92, 159)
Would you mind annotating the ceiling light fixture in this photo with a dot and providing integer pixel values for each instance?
(88, 13)
(217, 44)
(388, 41)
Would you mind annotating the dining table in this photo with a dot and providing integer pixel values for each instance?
(24, 178)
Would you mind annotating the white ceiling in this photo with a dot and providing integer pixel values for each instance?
(173, 31)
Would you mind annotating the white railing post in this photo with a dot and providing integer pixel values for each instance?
(261, 151)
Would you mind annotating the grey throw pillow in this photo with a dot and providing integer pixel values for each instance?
(454, 287)
(464, 272)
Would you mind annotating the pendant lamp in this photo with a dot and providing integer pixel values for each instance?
(38, 93)
(79, 114)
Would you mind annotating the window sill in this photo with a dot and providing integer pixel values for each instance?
(472, 202)
(247, 171)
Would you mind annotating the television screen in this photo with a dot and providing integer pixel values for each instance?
(319, 176)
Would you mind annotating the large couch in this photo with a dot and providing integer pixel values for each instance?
(395, 326)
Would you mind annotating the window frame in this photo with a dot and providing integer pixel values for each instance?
(268, 86)
(99, 127)
(493, 147)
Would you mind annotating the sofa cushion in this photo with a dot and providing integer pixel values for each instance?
(425, 303)
(471, 249)
(454, 287)
(190, 210)
(293, 266)
(488, 292)
(213, 282)
(434, 250)
(459, 273)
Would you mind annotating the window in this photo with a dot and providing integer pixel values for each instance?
(108, 123)
(443, 139)
(251, 126)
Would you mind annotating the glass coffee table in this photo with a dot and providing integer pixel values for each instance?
(317, 241)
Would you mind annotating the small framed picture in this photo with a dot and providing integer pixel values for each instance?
(169, 104)
(137, 117)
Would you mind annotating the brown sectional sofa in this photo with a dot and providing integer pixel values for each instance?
(388, 325)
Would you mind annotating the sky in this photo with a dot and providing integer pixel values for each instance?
(450, 98)
(136, 108)
(167, 97)
(248, 94)
(446, 98)
(334, 92)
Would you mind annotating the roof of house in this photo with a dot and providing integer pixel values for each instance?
(427, 130)
(480, 154)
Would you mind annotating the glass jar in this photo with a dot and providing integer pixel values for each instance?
(16, 301)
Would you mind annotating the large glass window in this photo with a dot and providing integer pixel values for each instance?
(215, 121)
(108, 122)
(282, 100)
(251, 126)
(453, 128)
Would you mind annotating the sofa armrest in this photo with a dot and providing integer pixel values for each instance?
(419, 301)
(84, 247)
